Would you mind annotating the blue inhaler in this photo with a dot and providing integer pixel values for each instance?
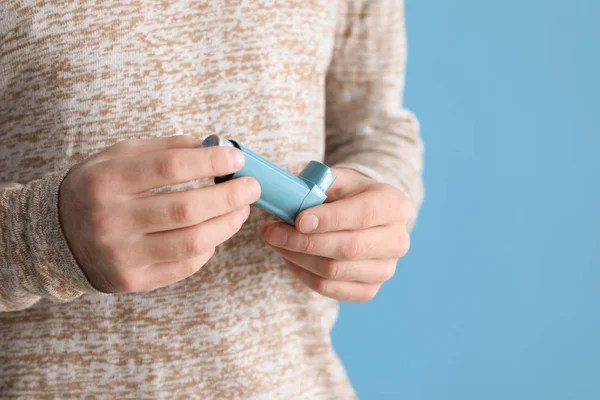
(282, 193)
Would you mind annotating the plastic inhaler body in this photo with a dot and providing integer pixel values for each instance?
(282, 193)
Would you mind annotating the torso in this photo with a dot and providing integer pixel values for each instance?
(78, 76)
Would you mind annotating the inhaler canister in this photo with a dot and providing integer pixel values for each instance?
(282, 193)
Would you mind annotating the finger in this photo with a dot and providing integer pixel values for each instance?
(157, 169)
(163, 274)
(137, 146)
(338, 290)
(164, 212)
(382, 242)
(361, 211)
(347, 182)
(181, 244)
(365, 271)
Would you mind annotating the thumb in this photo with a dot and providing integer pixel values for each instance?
(348, 182)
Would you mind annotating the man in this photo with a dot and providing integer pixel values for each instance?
(118, 276)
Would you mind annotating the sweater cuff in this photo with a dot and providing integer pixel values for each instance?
(60, 274)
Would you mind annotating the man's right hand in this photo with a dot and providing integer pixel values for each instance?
(127, 240)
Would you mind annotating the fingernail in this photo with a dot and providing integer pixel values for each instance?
(237, 157)
(278, 237)
(308, 223)
(253, 188)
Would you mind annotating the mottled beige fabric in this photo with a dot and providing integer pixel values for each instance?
(293, 80)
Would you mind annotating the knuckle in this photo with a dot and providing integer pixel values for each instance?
(180, 212)
(335, 220)
(335, 192)
(166, 166)
(191, 247)
(307, 244)
(330, 269)
(322, 286)
(366, 214)
(216, 159)
(351, 250)
(234, 196)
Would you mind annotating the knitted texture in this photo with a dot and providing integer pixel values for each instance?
(293, 80)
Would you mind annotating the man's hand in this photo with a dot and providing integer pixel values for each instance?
(127, 240)
(348, 247)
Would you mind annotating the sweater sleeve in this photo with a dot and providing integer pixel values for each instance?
(367, 129)
(35, 259)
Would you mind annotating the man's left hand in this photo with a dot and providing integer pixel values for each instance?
(348, 247)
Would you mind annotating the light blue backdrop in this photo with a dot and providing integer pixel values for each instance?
(499, 297)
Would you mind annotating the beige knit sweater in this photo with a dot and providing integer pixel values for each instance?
(293, 80)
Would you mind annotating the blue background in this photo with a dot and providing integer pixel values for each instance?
(499, 297)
